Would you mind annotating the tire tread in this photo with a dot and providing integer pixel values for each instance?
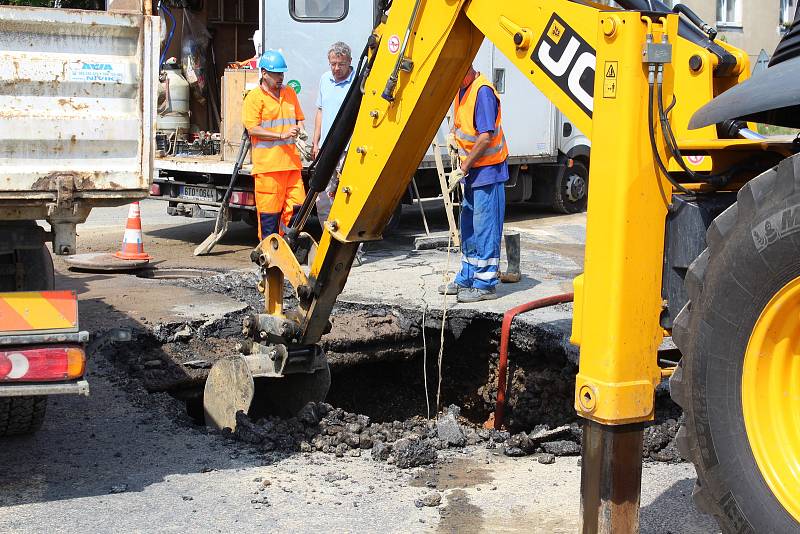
(750, 200)
(21, 415)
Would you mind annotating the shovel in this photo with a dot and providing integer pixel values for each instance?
(224, 216)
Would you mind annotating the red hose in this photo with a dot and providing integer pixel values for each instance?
(505, 333)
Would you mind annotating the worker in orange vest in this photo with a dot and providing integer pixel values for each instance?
(483, 152)
(273, 118)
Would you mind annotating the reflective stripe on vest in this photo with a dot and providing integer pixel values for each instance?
(277, 122)
(277, 142)
(467, 135)
(490, 151)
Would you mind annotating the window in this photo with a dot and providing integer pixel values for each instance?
(788, 8)
(729, 12)
(318, 10)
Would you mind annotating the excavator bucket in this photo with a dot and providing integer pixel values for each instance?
(273, 381)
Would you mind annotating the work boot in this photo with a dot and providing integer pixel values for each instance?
(512, 273)
(450, 289)
(473, 294)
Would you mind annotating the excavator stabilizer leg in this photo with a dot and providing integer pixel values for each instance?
(611, 477)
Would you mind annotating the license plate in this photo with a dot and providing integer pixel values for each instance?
(197, 193)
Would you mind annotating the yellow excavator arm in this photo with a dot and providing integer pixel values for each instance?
(591, 61)
(628, 79)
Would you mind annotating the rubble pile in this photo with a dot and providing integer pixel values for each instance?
(417, 441)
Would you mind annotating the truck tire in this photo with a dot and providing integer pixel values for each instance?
(570, 189)
(24, 415)
(250, 217)
(394, 221)
(39, 270)
(21, 415)
(38, 274)
(738, 336)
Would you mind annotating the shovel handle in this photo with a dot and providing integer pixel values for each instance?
(244, 148)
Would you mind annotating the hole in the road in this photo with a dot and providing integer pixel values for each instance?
(376, 358)
(394, 389)
(175, 273)
(377, 368)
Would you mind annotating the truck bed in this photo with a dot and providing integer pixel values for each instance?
(77, 100)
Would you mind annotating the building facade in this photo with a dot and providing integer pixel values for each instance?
(752, 25)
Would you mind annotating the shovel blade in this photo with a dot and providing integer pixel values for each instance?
(205, 247)
(229, 389)
(220, 229)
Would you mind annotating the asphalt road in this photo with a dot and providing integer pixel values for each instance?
(123, 460)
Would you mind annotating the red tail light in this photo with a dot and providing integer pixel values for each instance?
(241, 198)
(155, 190)
(42, 364)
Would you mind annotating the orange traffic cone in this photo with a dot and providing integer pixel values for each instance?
(132, 245)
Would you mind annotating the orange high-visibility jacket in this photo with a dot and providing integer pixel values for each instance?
(467, 135)
(276, 115)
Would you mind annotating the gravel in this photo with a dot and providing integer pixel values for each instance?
(430, 500)
(448, 429)
(413, 452)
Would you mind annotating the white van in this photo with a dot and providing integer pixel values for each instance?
(549, 157)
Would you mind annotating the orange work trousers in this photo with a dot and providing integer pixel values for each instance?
(279, 195)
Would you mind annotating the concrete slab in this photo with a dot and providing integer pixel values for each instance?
(109, 300)
(552, 255)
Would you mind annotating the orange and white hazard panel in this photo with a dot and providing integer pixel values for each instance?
(38, 311)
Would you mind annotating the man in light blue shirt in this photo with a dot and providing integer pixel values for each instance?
(333, 87)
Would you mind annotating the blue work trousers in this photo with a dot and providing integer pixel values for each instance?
(482, 212)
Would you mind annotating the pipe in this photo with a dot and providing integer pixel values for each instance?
(391, 83)
(171, 34)
(505, 334)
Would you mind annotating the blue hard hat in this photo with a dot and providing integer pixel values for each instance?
(272, 61)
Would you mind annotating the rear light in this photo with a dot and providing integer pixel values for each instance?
(155, 190)
(42, 364)
(242, 198)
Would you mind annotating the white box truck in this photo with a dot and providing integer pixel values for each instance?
(77, 92)
(549, 157)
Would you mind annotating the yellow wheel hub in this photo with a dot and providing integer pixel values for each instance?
(771, 395)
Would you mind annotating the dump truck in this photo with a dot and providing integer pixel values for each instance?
(549, 156)
(76, 132)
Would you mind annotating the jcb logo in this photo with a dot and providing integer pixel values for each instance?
(569, 61)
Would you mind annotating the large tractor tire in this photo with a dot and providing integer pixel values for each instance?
(739, 379)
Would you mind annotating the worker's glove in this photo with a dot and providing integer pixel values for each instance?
(454, 179)
(303, 146)
(452, 144)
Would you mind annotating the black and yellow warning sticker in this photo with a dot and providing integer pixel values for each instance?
(610, 75)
